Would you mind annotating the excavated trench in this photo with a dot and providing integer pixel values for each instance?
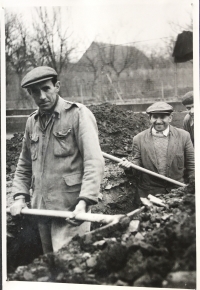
(156, 248)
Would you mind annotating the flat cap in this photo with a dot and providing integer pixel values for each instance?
(38, 74)
(187, 99)
(159, 107)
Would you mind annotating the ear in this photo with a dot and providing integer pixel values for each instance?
(170, 117)
(29, 91)
(57, 86)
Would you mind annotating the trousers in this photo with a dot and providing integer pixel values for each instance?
(56, 233)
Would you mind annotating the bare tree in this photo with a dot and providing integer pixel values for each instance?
(93, 66)
(51, 41)
(157, 60)
(19, 52)
(90, 62)
(118, 58)
(108, 62)
(19, 55)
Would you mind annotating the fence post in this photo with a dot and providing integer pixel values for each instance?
(175, 80)
(81, 93)
(162, 89)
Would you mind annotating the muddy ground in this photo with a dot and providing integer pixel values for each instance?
(156, 248)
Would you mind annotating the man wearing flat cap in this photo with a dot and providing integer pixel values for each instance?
(188, 122)
(61, 160)
(163, 149)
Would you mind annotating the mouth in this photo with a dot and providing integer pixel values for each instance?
(159, 126)
(43, 104)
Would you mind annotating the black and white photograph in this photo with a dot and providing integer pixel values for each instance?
(99, 100)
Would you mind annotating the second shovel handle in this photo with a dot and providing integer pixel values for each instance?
(144, 170)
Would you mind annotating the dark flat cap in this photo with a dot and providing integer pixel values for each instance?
(187, 99)
(38, 74)
(159, 107)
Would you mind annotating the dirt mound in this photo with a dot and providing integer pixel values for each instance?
(125, 255)
(117, 127)
(13, 149)
(116, 130)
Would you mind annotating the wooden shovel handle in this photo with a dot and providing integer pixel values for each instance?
(92, 217)
(116, 159)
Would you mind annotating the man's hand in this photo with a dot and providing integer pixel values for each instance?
(80, 208)
(125, 163)
(17, 206)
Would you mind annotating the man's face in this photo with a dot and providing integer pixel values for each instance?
(190, 108)
(44, 94)
(160, 121)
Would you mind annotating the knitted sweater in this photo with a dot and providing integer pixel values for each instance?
(161, 145)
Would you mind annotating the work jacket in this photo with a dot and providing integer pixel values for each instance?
(62, 164)
(189, 126)
(180, 156)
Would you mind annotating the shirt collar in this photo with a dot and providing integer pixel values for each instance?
(59, 107)
(165, 132)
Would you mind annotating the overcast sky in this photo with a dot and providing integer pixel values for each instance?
(145, 22)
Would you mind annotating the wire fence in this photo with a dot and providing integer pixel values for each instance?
(136, 85)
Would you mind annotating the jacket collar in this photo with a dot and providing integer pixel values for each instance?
(165, 132)
(61, 103)
(172, 130)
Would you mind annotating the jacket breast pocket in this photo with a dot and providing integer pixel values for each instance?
(34, 144)
(73, 182)
(180, 161)
(64, 143)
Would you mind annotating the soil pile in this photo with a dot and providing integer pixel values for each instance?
(13, 149)
(155, 249)
(116, 128)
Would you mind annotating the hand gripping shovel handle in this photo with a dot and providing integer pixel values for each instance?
(116, 159)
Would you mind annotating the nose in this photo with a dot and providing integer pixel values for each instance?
(159, 120)
(42, 95)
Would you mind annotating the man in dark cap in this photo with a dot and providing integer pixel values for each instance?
(61, 160)
(163, 149)
(188, 122)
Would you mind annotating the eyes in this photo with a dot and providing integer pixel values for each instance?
(45, 89)
(190, 108)
(156, 116)
(36, 91)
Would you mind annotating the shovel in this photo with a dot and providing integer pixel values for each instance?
(106, 230)
(116, 159)
(91, 217)
(150, 198)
